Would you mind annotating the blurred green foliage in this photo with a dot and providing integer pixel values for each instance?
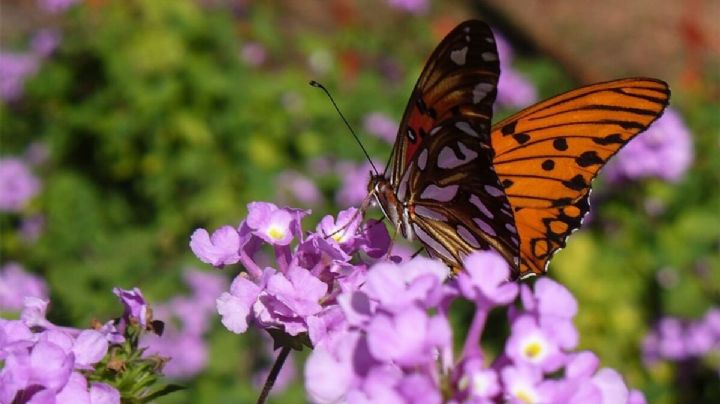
(157, 127)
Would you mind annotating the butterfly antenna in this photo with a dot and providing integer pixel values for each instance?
(322, 87)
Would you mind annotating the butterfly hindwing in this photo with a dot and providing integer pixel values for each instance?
(458, 205)
(548, 154)
(459, 80)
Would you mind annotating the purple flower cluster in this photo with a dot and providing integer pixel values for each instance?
(514, 89)
(17, 184)
(296, 293)
(354, 182)
(293, 186)
(675, 340)
(664, 151)
(410, 6)
(16, 284)
(56, 6)
(394, 343)
(17, 67)
(381, 126)
(187, 319)
(46, 363)
(381, 332)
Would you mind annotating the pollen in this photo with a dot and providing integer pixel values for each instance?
(525, 396)
(533, 350)
(276, 233)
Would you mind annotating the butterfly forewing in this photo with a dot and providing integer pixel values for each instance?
(548, 154)
(459, 80)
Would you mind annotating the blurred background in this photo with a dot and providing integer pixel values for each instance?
(125, 125)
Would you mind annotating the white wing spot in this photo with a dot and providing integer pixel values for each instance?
(431, 242)
(435, 129)
(494, 191)
(489, 56)
(467, 236)
(422, 159)
(440, 194)
(467, 29)
(465, 127)
(467, 38)
(490, 39)
(447, 158)
(403, 185)
(480, 91)
(486, 228)
(481, 206)
(511, 228)
(459, 56)
(429, 213)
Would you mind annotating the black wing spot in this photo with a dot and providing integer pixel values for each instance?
(421, 106)
(588, 158)
(615, 138)
(548, 165)
(509, 129)
(521, 138)
(433, 113)
(561, 202)
(560, 144)
(517, 209)
(507, 183)
(576, 183)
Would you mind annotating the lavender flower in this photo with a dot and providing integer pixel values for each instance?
(186, 321)
(381, 126)
(354, 187)
(297, 295)
(42, 360)
(55, 6)
(136, 308)
(15, 68)
(410, 6)
(674, 339)
(664, 151)
(253, 54)
(17, 184)
(296, 187)
(44, 42)
(390, 348)
(514, 89)
(16, 285)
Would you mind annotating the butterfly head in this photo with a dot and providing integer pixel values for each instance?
(383, 193)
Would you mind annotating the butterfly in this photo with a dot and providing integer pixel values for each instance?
(521, 186)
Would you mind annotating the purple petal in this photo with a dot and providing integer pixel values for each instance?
(611, 385)
(235, 307)
(90, 347)
(222, 248)
(134, 303)
(102, 393)
(75, 391)
(51, 366)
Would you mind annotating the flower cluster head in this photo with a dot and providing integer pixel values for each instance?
(44, 362)
(395, 342)
(17, 184)
(291, 279)
(380, 329)
(187, 320)
(676, 340)
(16, 284)
(514, 89)
(664, 151)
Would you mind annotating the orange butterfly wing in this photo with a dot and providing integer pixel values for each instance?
(547, 155)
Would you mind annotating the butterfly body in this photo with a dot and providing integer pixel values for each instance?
(520, 187)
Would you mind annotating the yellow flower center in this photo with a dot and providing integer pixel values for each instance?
(276, 233)
(525, 396)
(533, 350)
